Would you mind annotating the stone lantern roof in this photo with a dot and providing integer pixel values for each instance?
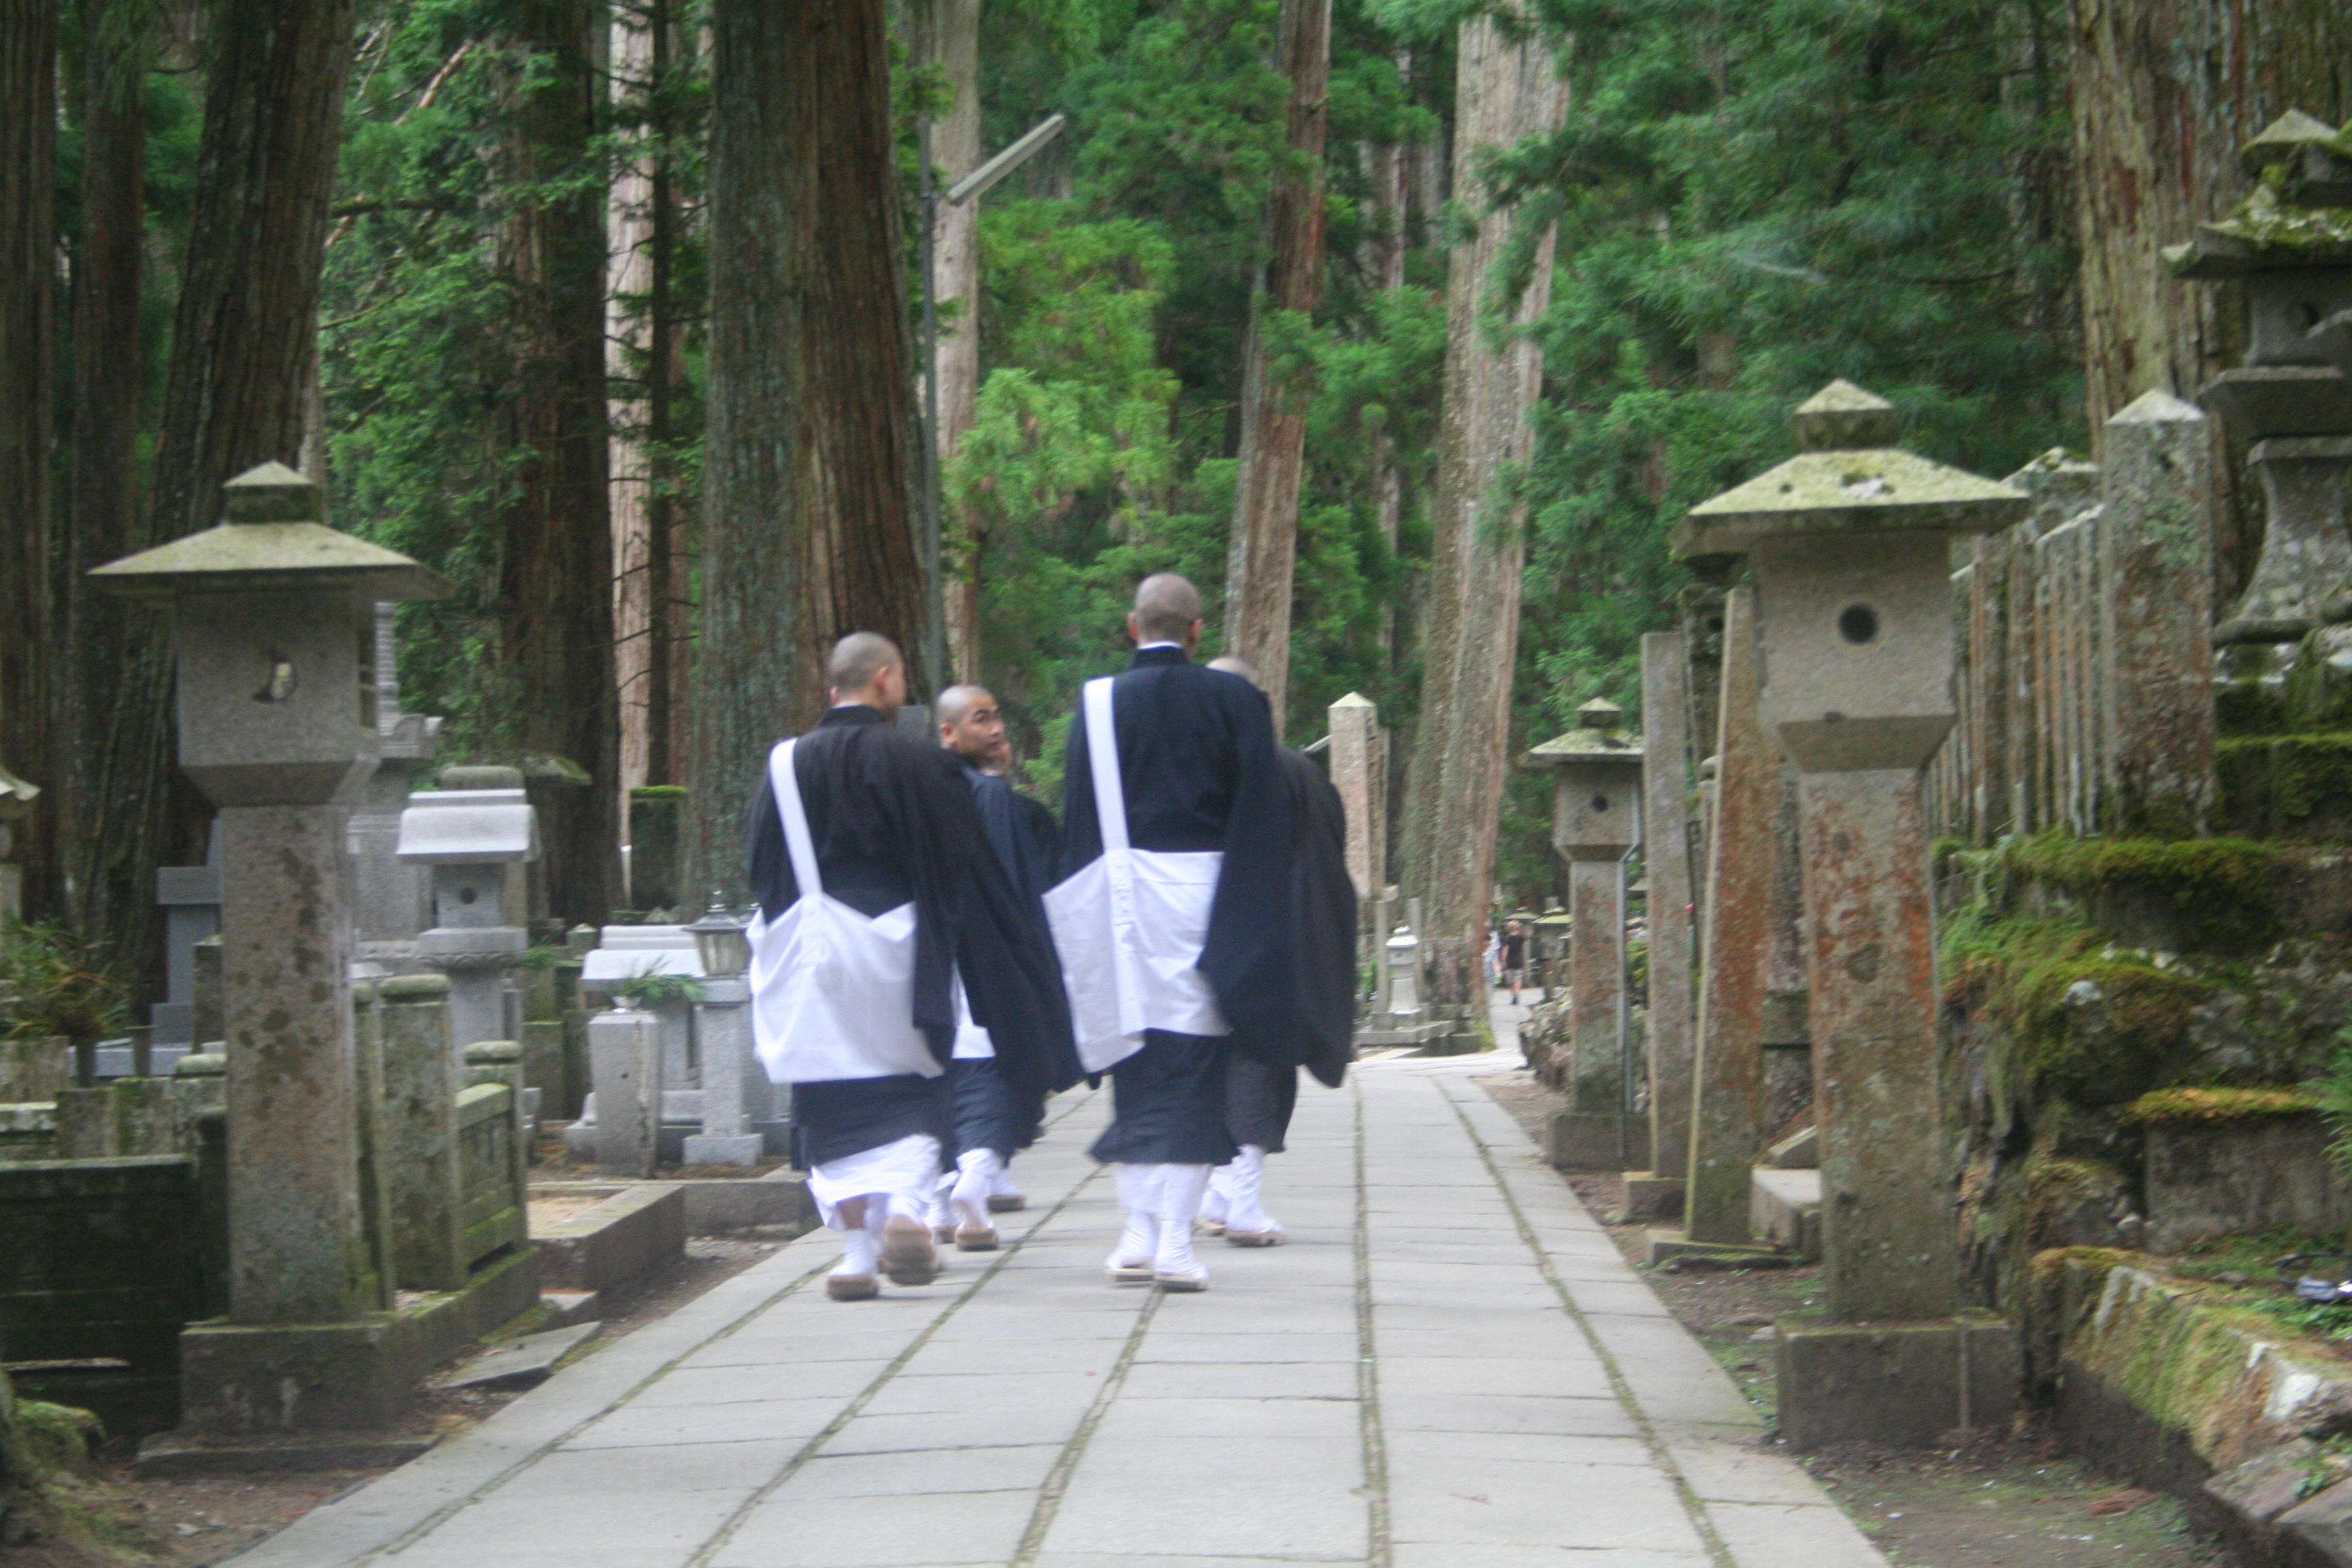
(270, 540)
(1847, 477)
(1597, 741)
(2299, 213)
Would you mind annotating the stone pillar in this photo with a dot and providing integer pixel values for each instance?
(1355, 730)
(625, 1050)
(419, 1125)
(1727, 1073)
(731, 1075)
(1787, 1034)
(1666, 814)
(2157, 543)
(191, 900)
(293, 1167)
(375, 1183)
(1596, 993)
(207, 1012)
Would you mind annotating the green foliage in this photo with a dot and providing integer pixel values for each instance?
(52, 982)
(651, 990)
(2332, 1094)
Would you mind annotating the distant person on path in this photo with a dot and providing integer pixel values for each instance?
(992, 1119)
(1260, 1096)
(1173, 917)
(871, 899)
(1512, 956)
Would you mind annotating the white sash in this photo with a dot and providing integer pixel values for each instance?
(1130, 926)
(832, 990)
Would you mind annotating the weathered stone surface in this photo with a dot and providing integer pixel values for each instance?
(1355, 762)
(2206, 1179)
(2155, 544)
(1727, 1073)
(639, 1227)
(521, 1363)
(1665, 797)
(1902, 1385)
(1784, 1208)
(293, 1132)
(417, 1126)
(625, 1051)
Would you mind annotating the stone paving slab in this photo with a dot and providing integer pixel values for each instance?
(1450, 1366)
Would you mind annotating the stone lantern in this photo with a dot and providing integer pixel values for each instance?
(1596, 822)
(1849, 545)
(15, 804)
(2289, 245)
(272, 612)
(735, 1087)
(468, 840)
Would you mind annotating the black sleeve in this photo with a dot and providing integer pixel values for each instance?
(1248, 957)
(1011, 976)
(1081, 833)
(773, 887)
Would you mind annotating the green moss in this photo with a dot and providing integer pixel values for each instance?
(659, 792)
(2221, 892)
(2275, 783)
(2249, 708)
(2214, 1106)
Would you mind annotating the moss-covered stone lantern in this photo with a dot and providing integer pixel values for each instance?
(1849, 545)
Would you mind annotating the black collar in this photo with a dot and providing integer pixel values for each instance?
(851, 713)
(1153, 657)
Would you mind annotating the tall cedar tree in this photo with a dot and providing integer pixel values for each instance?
(1263, 553)
(809, 441)
(29, 143)
(1507, 87)
(947, 39)
(243, 330)
(109, 374)
(556, 594)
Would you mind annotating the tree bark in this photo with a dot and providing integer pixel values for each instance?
(245, 322)
(1505, 90)
(947, 36)
(629, 267)
(556, 585)
(1388, 171)
(28, 147)
(810, 440)
(102, 506)
(1264, 548)
(2164, 94)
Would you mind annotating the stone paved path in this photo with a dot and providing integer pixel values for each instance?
(1451, 1367)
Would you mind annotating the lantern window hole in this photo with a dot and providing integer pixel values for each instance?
(1599, 803)
(1858, 624)
(464, 895)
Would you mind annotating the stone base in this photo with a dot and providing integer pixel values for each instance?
(171, 1455)
(641, 1226)
(1649, 1196)
(1391, 1035)
(723, 1149)
(1668, 1246)
(1784, 1208)
(278, 1386)
(1604, 1141)
(1894, 1385)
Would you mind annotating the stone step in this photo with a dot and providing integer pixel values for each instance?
(1784, 1208)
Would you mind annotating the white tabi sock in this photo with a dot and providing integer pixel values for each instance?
(1244, 1177)
(862, 1246)
(1000, 1184)
(1139, 1195)
(939, 1213)
(975, 1170)
(1216, 1202)
(1181, 1187)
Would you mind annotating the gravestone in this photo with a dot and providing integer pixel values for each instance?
(634, 952)
(470, 838)
(1665, 794)
(625, 1051)
(1355, 747)
(392, 901)
(191, 900)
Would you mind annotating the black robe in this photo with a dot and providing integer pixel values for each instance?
(1200, 769)
(1323, 912)
(989, 1111)
(892, 820)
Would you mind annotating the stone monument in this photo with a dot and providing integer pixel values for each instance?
(736, 1093)
(1596, 822)
(470, 839)
(1665, 857)
(1850, 546)
(394, 904)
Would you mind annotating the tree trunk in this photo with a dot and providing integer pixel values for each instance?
(28, 262)
(1505, 90)
(555, 593)
(949, 39)
(1388, 171)
(807, 525)
(245, 322)
(102, 515)
(2164, 94)
(1264, 548)
(628, 237)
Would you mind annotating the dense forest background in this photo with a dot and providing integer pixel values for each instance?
(1724, 205)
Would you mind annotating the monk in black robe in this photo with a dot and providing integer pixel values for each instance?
(1199, 774)
(891, 825)
(994, 1121)
(1259, 1095)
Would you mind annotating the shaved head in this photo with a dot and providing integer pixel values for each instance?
(1167, 608)
(956, 700)
(1233, 664)
(857, 659)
